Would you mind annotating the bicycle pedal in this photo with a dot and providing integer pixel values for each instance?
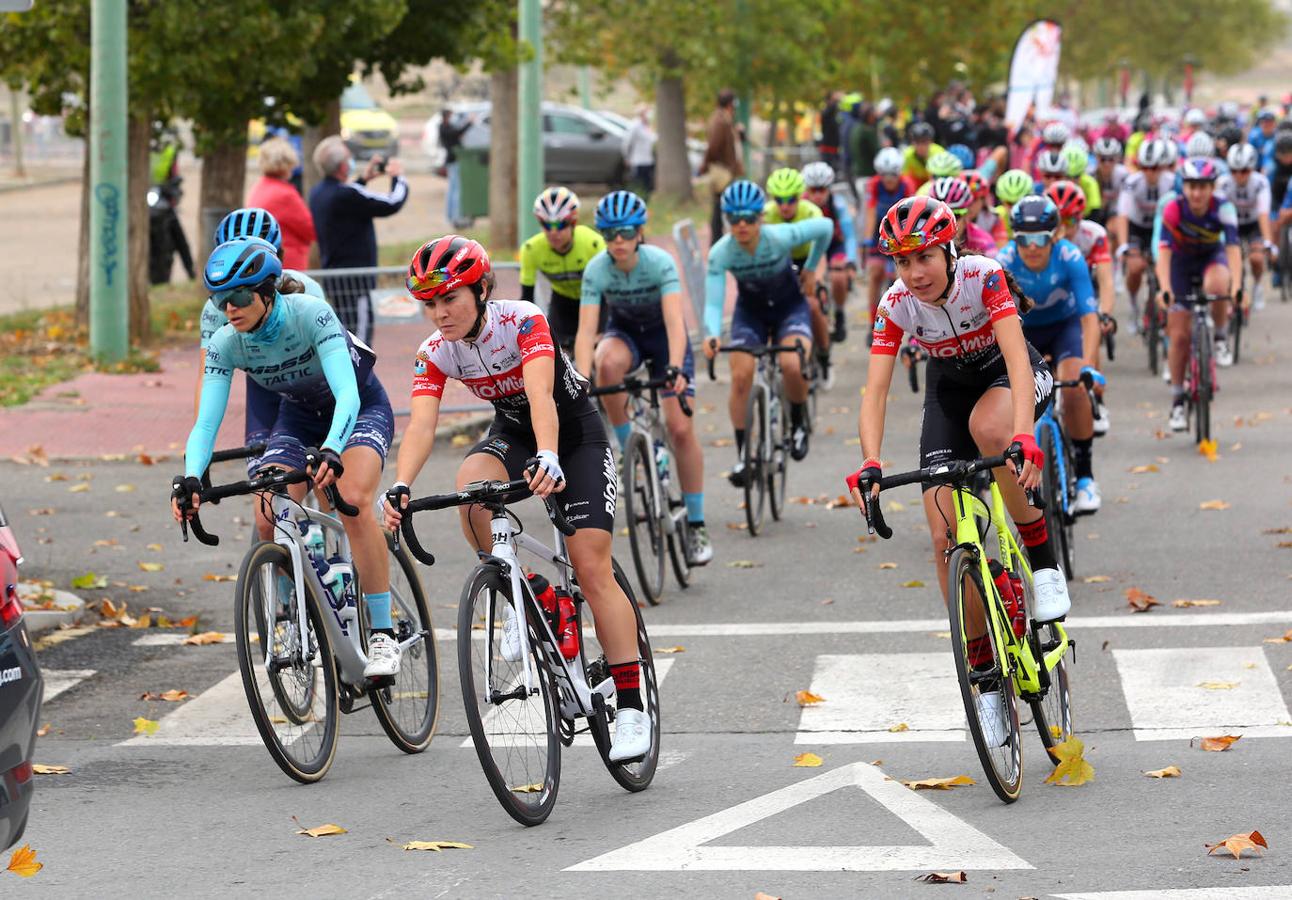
(377, 682)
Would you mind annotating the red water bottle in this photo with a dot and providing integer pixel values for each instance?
(569, 633)
(546, 596)
(1013, 604)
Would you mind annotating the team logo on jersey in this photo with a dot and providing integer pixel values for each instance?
(881, 322)
(325, 319)
(526, 326)
(993, 282)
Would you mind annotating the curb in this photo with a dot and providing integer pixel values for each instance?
(71, 608)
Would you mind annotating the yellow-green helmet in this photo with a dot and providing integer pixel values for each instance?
(1013, 186)
(944, 165)
(1077, 160)
(785, 183)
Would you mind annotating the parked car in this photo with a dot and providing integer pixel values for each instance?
(21, 689)
(366, 128)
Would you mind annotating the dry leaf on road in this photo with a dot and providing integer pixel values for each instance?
(151, 566)
(206, 637)
(1213, 504)
(761, 896)
(43, 730)
(939, 784)
(1141, 470)
(1096, 579)
(888, 565)
(914, 583)
(79, 488)
(1218, 685)
(1218, 744)
(1139, 601)
(807, 698)
(146, 726)
(42, 769)
(1208, 449)
(1285, 639)
(899, 727)
(535, 788)
(744, 564)
(1168, 772)
(171, 696)
(807, 761)
(1237, 843)
(211, 576)
(23, 862)
(1072, 769)
(943, 878)
(319, 830)
(1188, 604)
(437, 846)
(678, 649)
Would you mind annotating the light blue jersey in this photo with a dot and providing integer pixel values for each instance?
(1061, 291)
(633, 296)
(765, 267)
(213, 319)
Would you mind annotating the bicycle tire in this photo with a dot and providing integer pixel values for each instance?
(410, 725)
(1052, 713)
(754, 456)
(324, 705)
(963, 572)
(295, 709)
(1202, 369)
(634, 776)
(1236, 331)
(677, 549)
(640, 504)
(516, 738)
(778, 468)
(1054, 494)
(913, 373)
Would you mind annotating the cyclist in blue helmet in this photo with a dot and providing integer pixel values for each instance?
(770, 303)
(250, 221)
(329, 397)
(639, 284)
(964, 154)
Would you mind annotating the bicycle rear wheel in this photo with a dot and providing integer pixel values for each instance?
(289, 678)
(1002, 762)
(755, 457)
(514, 732)
(779, 469)
(409, 709)
(640, 509)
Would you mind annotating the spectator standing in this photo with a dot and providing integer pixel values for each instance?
(639, 151)
(275, 192)
(831, 142)
(343, 212)
(722, 158)
(165, 233)
(452, 127)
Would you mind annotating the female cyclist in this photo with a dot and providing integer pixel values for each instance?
(503, 352)
(984, 384)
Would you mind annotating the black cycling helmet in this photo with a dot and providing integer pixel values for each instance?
(1283, 143)
(921, 131)
(1034, 213)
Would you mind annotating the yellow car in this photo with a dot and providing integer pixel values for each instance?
(366, 128)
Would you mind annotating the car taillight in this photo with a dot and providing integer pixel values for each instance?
(21, 774)
(10, 607)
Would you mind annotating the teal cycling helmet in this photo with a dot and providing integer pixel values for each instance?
(621, 209)
(1013, 186)
(250, 221)
(247, 262)
(743, 197)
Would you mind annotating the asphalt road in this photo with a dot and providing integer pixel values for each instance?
(728, 815)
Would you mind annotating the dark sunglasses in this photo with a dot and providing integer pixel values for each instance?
(786, 200)
(1034, 238)
(628, 233)
(742, 218)
(240, 297)
(555, 226)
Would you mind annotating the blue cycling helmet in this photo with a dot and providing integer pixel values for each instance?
(962, 153)
(248, 262)
(250, 221)
(1034, 213)
(621, 209)
(743, 197)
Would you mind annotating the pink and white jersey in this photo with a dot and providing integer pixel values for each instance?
(979, 240)
(1092, 240)
(490, 367)
(958, 332)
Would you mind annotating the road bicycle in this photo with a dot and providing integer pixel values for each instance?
(523, 709)
(1109, 337)
(1153, 326)
(1200, 383)
(652, 494)
(1059, 479)
(912, 354)
(301, 628)
(766, 452)
(1027, 660)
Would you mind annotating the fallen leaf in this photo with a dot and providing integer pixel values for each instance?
(1237, 843)
(1168, 772)
(913, 584)
(1096, 579)
(136, 588)
(943, 878)
(146, 726)
(807, 761)
(1218, 744)
(535, 788)
(895, 506)
(721, 442)
(437, 846)
(41, 511)
(1188, 604)
(125, 488)
(1141, 470)
(1140, 601)
(155, 548)
(761, 896)
(90, 581)
(23, 862)
(738, 526)
(1285, 639)
(186, 622)
(888, 565)
(1213, 504)
(460, 440)
(42, 769)
(744, 564)
(43, 730)
(206, 637)
(1072, 769)
(678, 649)
(144, 459)
(1208, 449)
(839, 502)
(1218, 685)
(938, 784)
(807, 698)
(171, 696)
(79, 488)
(899, 727)
(210, 576)
(319, 830)
(151, 566)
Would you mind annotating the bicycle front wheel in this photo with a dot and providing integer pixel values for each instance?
(755, 456)
(409, 708)
(514, 729)
(641, 509)
(1202, 368)
(1236, 323)
(986, 687)
(1054, 493)
(289, 677)
(778, 469)
(1052, 712)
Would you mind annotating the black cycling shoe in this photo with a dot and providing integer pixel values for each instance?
(799, 443)
(737, 475)
(840, 333)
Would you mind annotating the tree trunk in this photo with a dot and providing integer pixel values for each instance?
(330, 125)
(83, 253)
(139, 134)
(224, 176)
(672, 167)
(504, 92)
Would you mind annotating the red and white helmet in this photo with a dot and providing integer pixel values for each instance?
(916, 223)
(556, 204)
(445, 264)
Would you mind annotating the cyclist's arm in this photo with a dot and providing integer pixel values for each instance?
(217, 378)
(1087, 308)
(846, 228)
(585, 342)
(419, 437)
(528, 272)
(339, 372)
(818, 231)
(1163, 266)
(1022, 383)
(1107, 295)
(675, 324)
(1263, 204)
(1233, 249)
(715, 292)
(868, 219)
(197, 386)
(1234, 255)
(874, 403)
(539, 373)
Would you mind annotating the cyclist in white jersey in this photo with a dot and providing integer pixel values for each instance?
(1249, 190)
(1132, 230)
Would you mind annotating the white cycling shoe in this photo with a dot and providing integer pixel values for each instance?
(1179, 420)
(1088, 499)
(632, 736)
(1224, 356)
(1102, 420)
(991, 716)
(1050, 590)
(509, 646)
(383, 657)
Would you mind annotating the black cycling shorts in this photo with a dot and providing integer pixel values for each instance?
(1250, 233)
(563, 317)
(591, 478)
(948, 403)
(1139, 237)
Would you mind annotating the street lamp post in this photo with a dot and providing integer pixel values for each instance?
(529, 179)
(109, 260)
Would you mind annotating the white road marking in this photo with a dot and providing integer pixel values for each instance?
(952, 842)
(217, 717)
(173, 640)
(59, 680)
(1281, 892)
(1166, 699)
(919, 690)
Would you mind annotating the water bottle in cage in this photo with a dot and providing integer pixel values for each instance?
(662, 460)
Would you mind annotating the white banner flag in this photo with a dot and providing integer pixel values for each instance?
(1033, 71)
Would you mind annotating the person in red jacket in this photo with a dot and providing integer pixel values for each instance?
(276, 194)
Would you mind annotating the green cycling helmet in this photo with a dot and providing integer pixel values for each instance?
(785, 183)
(1077, 160)
(944, 165)
(1013, 186)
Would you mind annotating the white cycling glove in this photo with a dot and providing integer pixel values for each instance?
(550, 463)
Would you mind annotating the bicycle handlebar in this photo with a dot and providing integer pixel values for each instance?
(637, 386)
(758, 351)
(256, 449)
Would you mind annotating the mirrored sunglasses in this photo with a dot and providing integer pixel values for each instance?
(240, 297)
(1034, 238)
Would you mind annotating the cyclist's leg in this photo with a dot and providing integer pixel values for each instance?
(1215, 281)
(795, 328)
(944, 436)
(875, 268)
(821, 323)
(1078, 419)
(262, 413)
(498, 457)
(747, 330)
(1178, 325)
(681, 434)
(616, 356)
(1135, 264)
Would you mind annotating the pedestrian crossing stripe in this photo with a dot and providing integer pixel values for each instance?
(1280, 892)
(217, 717)
(951, 844)
(59, 681)
(870, 694)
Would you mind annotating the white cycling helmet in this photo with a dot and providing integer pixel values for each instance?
(1152, 154)
(1108, 147)
(1172, 153)
(1241, 158)
(1195, 118)
(556, 204)
(889, 161)
(1200, 144)
(1052, 162)
(818, 175)
(1055, 133)
(1077, 141)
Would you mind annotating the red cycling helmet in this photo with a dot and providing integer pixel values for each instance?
(1069, 198)
(977, 183)
(447, 263)
(914, 224)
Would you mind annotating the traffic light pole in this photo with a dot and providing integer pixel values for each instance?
(530, 127)
(109, 262)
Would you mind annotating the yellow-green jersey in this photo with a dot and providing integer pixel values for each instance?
(1090, 187)
(806, 210)
(917, 168)
(563, 270)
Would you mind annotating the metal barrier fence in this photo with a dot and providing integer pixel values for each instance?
(693, 266)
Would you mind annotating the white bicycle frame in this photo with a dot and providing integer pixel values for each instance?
(648, 422)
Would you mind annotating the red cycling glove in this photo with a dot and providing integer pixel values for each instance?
(1027, 444)
(870, 470)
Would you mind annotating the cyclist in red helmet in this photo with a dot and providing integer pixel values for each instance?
(985, 385)
(503, 352)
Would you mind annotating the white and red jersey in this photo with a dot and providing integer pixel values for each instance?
(1092, 240)
(491, 366)
(958, 332)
